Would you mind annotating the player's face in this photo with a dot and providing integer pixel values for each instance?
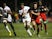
(22, 6)
(35, 6)
(42, 6)
(40, 3)
(4, 4)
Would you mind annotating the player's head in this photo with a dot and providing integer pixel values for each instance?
(35, 5)
(22, 5)
(42, 6)
(40, 2)
(4, 4)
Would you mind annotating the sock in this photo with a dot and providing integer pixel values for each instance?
(37, 30)
(33, 27)
(41, 26)
(45, 26)
(8, 28)
(12, 28)
(28, 31)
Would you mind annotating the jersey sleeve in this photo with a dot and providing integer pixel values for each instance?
(20, 12)
(26, 8)
(1, 8)
(7, 9)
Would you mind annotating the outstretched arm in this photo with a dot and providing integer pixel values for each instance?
(35, 13)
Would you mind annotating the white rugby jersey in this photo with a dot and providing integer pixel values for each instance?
(6, 8)
(1, 8)
(25, 11)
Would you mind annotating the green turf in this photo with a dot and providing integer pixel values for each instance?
(22, 34)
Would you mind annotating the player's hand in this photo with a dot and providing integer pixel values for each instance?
(1, 15)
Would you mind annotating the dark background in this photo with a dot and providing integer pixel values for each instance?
(15, 3)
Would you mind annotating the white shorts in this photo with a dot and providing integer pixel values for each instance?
(9, 20)
(27, 19)
(4, 20)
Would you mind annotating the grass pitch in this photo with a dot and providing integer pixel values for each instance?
(22, 34)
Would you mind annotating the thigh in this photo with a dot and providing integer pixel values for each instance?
(33, 22)
(38, 20)
(4, 20)
(24, 20)
(43, 16)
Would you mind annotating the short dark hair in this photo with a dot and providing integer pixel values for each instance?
(5, 3)
(35, 3)
(22, 4)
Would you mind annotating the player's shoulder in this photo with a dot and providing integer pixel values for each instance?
(19, 10)
(26, 7)
(7, 7)
(1, 8)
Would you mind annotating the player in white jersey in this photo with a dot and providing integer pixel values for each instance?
(7, 18)
(26, 17)
(1, 10)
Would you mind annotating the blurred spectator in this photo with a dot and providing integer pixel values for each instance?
(50, 13)
(16, 17)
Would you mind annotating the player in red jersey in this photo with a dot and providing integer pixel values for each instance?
(43, 11)
(35, 16)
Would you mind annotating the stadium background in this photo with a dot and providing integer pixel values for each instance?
(15, 3)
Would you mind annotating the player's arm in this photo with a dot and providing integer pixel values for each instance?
(23, 14)
(46, 9)
(35, 13)
(9, 12)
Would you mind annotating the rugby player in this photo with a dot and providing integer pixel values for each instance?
(26, 17)
(43, 11)
(7, 18)
(35, 16)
